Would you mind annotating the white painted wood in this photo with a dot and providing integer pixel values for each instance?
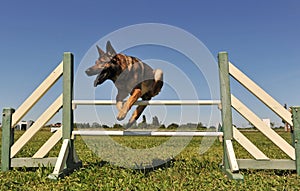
(62, 157)
(97, 133)
(267, 122)
(54, 129)
(186, 134)
(260, 125)
(40, 122)
(234, 167)
(260, 94)
(37, 94)
(145, 133)
(152, 102)
(248, 145)
(49, 144)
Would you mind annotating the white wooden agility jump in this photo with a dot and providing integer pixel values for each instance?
(68, 160)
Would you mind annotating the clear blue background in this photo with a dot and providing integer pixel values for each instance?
(261, 37)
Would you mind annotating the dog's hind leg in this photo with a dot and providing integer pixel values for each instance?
(135, 95)
(136, 114)
(139, 110)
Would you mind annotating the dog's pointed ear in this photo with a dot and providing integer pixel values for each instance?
(109, 49)
(100, 51)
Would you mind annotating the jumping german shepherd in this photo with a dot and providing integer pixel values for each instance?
(130, 76)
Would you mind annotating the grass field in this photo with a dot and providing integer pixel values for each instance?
(189, 170)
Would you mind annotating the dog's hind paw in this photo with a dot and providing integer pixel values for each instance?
(121, 115)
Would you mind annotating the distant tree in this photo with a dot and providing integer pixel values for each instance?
(133, 126)
(162, 126)
(144, 119)
(86, 125)
(155, 121)
(190, 125)
(200, 126)
(96, 125)
(105, 126)
(173, 126)
(272, 124)
(117, 126)
(143, 124)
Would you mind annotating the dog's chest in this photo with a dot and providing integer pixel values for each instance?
(130, 80)
(125, 84)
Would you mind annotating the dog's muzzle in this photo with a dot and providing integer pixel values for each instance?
(91, 72)
(104, 75)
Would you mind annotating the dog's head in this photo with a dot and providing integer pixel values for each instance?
(103, 66)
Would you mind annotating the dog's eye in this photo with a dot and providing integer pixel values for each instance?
(107, 65)
(113, 60)
(98, 62)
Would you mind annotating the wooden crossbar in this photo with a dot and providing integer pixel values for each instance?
(147, 133)
(152, 102)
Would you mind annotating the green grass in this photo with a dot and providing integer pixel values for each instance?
(188, 170)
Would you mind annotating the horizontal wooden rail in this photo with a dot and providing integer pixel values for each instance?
(152, 102)
(147, 133)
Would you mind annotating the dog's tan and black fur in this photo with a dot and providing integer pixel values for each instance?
(131, 77)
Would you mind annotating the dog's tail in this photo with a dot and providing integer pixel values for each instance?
(158, 81)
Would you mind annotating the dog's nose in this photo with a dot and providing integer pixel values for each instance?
(93, 71)
(88, 72)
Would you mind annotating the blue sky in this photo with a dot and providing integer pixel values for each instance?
(261, 37)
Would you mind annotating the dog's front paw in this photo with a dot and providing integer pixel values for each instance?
(121, 115)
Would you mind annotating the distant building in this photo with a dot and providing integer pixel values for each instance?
(267, 122)
(24, 125)
(55, 127)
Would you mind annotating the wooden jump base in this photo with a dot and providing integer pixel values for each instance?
(67, 159)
